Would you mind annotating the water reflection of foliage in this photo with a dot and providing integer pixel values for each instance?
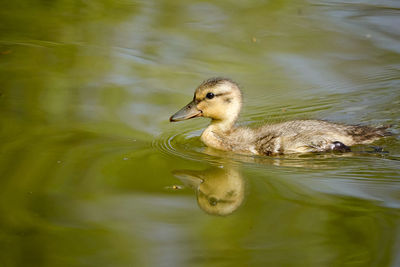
(56, 52)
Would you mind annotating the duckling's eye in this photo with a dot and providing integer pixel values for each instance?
(210, 95)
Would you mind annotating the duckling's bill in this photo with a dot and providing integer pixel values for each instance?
(187, 112)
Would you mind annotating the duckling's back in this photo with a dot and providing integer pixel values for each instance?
(302, 136)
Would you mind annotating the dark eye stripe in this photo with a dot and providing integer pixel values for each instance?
(220, 94)
(227, 93)
(215, 95)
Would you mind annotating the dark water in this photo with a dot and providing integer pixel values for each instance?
(93, 174)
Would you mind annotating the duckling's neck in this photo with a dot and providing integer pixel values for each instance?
(222, 126)
(217, 133)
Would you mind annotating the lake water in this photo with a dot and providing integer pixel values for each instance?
(92, 173)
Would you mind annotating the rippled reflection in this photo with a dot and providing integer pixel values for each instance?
(219, 190)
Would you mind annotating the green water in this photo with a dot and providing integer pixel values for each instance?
(92, 173)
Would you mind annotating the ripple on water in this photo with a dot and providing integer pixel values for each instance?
(185, 144)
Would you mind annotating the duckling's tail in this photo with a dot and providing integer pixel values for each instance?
(367, 134)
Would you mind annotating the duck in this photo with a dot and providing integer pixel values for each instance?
(220, 99)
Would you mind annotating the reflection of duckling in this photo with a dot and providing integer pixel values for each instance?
(220, 191)
(221, 100)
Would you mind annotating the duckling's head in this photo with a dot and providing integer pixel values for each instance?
(217, 98)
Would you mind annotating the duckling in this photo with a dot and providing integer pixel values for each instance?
(221, 100)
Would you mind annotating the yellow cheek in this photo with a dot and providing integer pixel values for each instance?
(201, 106)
